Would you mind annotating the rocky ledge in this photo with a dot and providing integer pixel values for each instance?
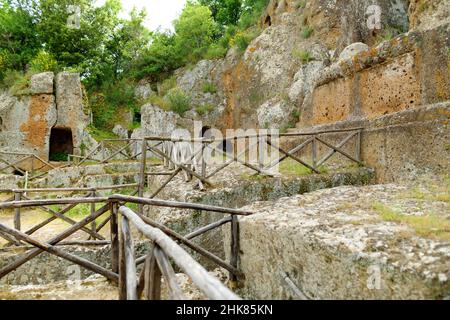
(371, 242)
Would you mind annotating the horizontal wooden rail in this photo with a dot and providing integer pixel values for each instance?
(47, 202)
(246, 136)
(46, 190)
(180, 205)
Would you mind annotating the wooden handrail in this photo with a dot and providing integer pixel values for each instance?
(177, 204)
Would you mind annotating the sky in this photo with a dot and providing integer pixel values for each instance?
(160, 13)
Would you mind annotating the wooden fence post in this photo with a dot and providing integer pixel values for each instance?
(203, 160)
(17, 197)
(358, 146)
(152, 277)
(261, 148)
(234, 253)
(314, 152)
(94, 223)
(103, 150)
(32, 166)
(114, 207)
(142, 175)
(127, 266)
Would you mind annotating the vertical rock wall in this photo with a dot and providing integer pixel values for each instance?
(26, 121)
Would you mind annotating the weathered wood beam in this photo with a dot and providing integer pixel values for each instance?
(60, 253)
(127, 261)
(212, 287)
(180, 205)
(175, 292)
(192, 245)
(33, 253)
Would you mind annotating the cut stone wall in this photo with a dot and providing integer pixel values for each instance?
(398, 146)
(404, 73)
(27, 120)
(47, 268)
(69, 101)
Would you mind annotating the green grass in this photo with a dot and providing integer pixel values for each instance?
(242, 39)
(209, 87)
(59, 156)
(167, 85)
(158, 101)
(178, 101)
(307, 32)
(303, 56)
(253, 177)
(290, 167)
(301, 4)
(436, 194)
(427, 226)
(101, 134)
(204, 109)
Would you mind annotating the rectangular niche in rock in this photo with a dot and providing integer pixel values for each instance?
(61, 144)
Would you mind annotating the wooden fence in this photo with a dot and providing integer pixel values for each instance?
(24, 194)
(108, 150)
(165, 245)
(38, 167)
(204, 173)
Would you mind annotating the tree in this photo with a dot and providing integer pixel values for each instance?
(18, 37)
(127, 43)
(194, 31)
(159, 59)
(224, 12)
(81, 48)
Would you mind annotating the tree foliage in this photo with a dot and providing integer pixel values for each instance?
(112, 53)
(224, 12)
(194, 31)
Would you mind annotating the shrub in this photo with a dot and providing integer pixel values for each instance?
(215, 51)
(243, 38)
(204, 109)
(167, 85)
(252, 10)
(43, 62)
(301, 4)
(159, 101)
(303, 56)
(178, 101)
(16, 81)
(99, 134)
(209, 87)
(307, 32)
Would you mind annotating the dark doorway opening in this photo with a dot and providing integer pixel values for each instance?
(18, 173)
(137, 117)
(268, 21)
(204, 131)
(61, 144)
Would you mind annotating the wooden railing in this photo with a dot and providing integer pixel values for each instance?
(204, 174)
(108, 150)
(123, 261)
(24, 194)
(38, 166)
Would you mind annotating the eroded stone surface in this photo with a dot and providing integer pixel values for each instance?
(42, 83)
(332, 242)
